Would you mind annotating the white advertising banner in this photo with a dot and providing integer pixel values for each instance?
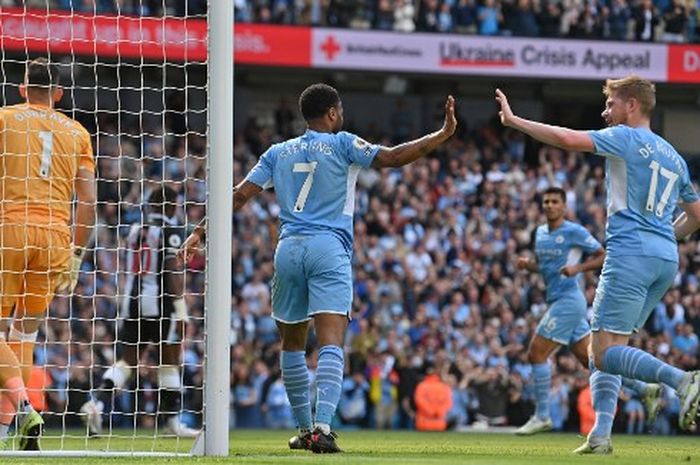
(481, 55)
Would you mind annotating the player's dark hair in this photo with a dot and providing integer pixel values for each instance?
(316, 100)
(556, 190)
(42, 74)
(163, 200)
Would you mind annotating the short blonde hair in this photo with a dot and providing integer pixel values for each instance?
(635, 87)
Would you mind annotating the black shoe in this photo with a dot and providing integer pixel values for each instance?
(324, 443)
(302, 441)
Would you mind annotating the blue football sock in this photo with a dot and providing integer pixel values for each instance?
(640, 387)
(542, 377)
(635, 363)
(329, 380)
(605, 389)
(295, 376)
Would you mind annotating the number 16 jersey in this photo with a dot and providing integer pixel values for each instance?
(645, 179)
(314, 178)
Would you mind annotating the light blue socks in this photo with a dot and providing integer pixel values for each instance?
(329, 381)
(631, 362)
(295, 376)
(542, 377)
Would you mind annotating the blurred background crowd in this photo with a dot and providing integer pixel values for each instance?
(439, 305)
(438, 298)
(640, 20)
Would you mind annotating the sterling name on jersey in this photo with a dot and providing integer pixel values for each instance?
(645, 179)
(314, 177)
(146, 292)
(561, 247)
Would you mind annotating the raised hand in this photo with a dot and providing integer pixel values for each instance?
(450, 124)
(506, 114)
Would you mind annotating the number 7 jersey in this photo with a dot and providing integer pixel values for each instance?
(42, 150)
(645, 178)
(314, 178)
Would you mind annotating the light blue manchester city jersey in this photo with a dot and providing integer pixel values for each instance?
(314, 177)
(556, 249)
(645, 179)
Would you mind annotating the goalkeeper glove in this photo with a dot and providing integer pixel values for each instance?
(69, 278)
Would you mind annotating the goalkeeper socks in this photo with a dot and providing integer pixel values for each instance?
(22, 344)
(605, 389)
(542, 377)
(329, 380)
(634, 363)
(295, 376)
(640, 387)
(11, 376)
(7, 414)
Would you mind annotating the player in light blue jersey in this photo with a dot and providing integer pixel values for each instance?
(646, 178)
(314, 178)
(559, 247)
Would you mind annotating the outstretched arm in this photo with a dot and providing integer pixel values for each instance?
(409, 152)
(564, 138)
(241, 194)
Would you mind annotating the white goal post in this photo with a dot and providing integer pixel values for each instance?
(152, 82)
(219, 206)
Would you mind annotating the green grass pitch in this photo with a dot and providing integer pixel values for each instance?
(378, 447)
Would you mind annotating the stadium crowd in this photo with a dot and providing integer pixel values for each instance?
(125, 7)
(438, 299)
(437, 294)
(640, 20)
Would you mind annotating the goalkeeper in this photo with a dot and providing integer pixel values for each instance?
(46, 160)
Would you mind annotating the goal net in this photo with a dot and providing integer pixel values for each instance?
(116, 367)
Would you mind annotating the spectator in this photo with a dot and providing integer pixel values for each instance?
(433, 399)
(458, 416)
(278, 412)
(675, 21)
(404, 15)
(634, 410)
(489, 16)
(685, 340)
(585, 411)
(384, 19)
(445, 22)
(492, 387)
(353, 407)
(646, 18)
(524, 22)
(245, 398)
(428, 16)
(618, 20)
(464, 17)
(383, 392)
(550, 19)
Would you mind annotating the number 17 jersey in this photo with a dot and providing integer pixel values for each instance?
(645, 179)
(314, 178)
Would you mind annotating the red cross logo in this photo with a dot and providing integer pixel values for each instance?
(330, 47)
